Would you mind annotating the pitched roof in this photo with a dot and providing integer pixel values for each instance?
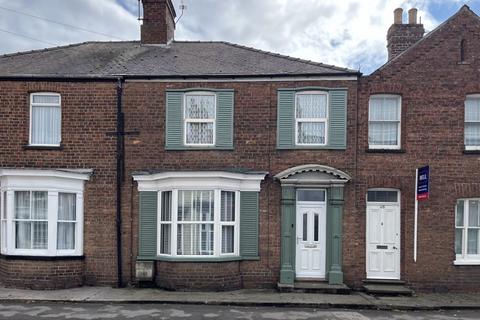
(179, 59)
(464, 9)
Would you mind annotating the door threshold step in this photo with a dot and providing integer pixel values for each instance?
(384, 281)
(388, 290)
(315, 287)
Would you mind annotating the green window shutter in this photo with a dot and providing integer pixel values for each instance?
(174, 121)
(224, 129)
(337, 121)
(147, 239)
(249, 213)
(286, 119)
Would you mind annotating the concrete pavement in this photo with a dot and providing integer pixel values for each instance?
(249, 298)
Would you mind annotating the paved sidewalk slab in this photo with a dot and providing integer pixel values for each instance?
(244, 298)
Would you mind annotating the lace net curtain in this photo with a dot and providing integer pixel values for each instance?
(198, 108)
(311, 114)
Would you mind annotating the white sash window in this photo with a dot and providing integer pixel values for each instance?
(472, 123)
(311, 117)
(384, 119)
(45, 119)
(199, 118)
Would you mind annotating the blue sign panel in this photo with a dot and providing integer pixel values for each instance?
(423, 179)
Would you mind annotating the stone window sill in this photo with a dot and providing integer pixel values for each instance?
(33, 147)
(41, 258)
(195, 259)
(472, 151)
(466, 262)
(385, 151)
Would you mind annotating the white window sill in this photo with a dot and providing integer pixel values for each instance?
(467, 262)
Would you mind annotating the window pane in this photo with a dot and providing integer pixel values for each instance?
(66, 236)
(22, 205)
(4, 214)
(200, 107)
(472, 134)
(472, 110)
(305, 230)
(382, 196)
(50, 99)
(195, 239)
(40, 235)
(165, 232)
(472, 247)
(458, 240)
(23, 235)
(67, 206)
(315, 227)
(383, 133)
(473, 213)
(459, 215)
(228, 239)
(311, 106)
(199, 133)
(311, 133)
(311, 195)
(166, 214)
(45, 125)
(195, 206)
(384, 109)
(39, 205)
(228, 206)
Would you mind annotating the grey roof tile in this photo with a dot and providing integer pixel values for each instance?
(180, 59)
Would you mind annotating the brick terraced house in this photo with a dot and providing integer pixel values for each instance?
(213, 166)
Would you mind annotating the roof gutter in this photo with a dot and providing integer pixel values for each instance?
(76, 78)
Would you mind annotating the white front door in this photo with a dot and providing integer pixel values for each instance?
(311, 238)
(383, 241)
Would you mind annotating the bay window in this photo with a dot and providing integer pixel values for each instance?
(198, 223)
(467, 231)
(42, 212)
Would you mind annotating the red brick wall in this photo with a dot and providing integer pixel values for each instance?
(41, 275)
(255, 147)
(88, 113)
(198, 276)
(433, 84)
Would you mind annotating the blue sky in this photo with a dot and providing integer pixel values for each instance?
(348, 33)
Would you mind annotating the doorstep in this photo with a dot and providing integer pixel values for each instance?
(321, 287)
(387, 287)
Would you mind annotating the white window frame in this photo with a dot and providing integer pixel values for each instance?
(51, 181)
(217, 224)
(323, 120)
(470, 96)
(464, 258)
(188, 120)
(32, 105)
(399, 129)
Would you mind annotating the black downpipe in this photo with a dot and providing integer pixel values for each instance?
(120, 177)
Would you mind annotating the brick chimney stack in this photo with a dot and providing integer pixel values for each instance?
(158, 22)
(401, 36)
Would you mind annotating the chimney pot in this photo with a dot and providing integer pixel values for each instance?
(412, 16)
(398, 16)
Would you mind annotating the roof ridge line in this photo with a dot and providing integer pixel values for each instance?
(20, 53)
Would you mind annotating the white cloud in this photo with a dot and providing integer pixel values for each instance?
(350, 33)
